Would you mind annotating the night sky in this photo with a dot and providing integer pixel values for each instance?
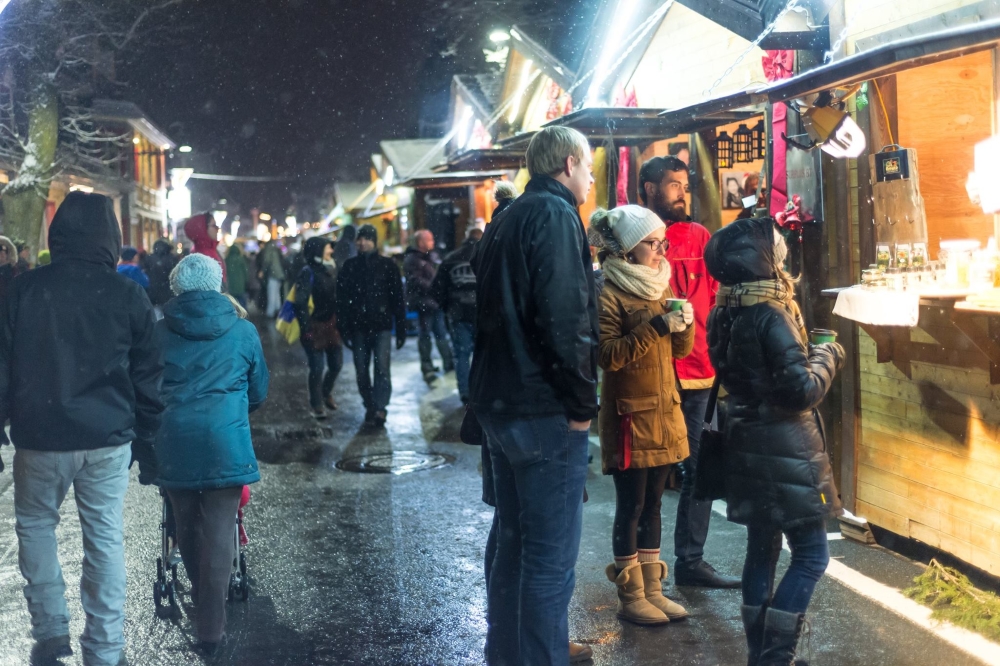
(307, 89)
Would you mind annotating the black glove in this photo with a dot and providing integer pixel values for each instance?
(835, 350)
(143, 453)
(400, 339)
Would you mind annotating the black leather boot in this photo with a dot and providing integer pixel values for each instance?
(781, 637)
(753, 625)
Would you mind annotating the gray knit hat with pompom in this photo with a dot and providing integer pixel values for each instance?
(620, 229)
(196, 272)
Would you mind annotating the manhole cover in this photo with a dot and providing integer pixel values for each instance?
(396, 462)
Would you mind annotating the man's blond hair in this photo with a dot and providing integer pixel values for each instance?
(550, 147)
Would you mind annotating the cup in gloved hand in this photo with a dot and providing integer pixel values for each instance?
(676, 321)
(835, 349)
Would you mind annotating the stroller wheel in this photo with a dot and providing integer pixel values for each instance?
(157, 594)
(232, 587)
(244, 582)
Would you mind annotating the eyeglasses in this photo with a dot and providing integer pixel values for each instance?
(657, 245)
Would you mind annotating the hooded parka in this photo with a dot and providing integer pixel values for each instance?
(196, 229)
(79, 368)
(639, 380)
(214, 376)
(777, 465)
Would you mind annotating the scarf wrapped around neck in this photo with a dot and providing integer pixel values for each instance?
(764, 291)
(642, 281)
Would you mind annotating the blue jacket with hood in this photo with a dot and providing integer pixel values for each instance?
(214, 376)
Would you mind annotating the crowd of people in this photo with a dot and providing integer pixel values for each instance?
(154, 358)
(673, 314)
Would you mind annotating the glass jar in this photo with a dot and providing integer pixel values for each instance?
(893, 279)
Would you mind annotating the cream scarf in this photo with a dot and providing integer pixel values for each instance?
(642, 281)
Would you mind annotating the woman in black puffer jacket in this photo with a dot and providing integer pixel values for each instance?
(778, 475)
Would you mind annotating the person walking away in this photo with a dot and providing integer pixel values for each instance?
(641, 425)
(533, 389)
(369, 304)
(237, 270)
(272, 273)
(778, 475)
(129, 267)
(158, 267)
(663, 188)
(202, 231)
(214, 376)
(420, 266)
(345, 248)
(79, 381)
(8, 265)
(454, 288)
(319, 335)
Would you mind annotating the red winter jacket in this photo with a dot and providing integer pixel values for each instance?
(690, 280)
(196, 230)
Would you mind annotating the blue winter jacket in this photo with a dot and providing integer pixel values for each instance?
(214, 376)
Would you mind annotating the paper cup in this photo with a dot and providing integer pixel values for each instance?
(675, 304)
(820, 335)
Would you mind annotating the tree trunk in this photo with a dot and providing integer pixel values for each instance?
(25, 196)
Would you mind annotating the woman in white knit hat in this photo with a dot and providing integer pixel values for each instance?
(641, 425)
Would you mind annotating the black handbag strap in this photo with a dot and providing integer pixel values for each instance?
(713, 398)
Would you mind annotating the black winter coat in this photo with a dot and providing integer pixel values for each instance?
(370, 296)
(777, 464)
(420, 269)
(79, 368)
(315, 280)
(454, 286)
(536, 320)
(158, 267)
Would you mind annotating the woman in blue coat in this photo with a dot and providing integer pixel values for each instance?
(214, 376)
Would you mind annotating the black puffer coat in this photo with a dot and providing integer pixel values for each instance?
(777, 466)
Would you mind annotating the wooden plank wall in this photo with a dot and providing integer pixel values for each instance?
(929, 458)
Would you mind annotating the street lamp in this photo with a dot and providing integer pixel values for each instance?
(499, 36)
(185, 149)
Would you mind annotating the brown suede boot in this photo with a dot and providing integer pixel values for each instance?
(632, 604)
(578, 653)
(653, 575)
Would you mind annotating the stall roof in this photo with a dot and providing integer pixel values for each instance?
(413, 157)
(486, 159)
(712, 113)
(889, 59)
(552, 66)
(451, 179)
(127, 112)
(625, 125)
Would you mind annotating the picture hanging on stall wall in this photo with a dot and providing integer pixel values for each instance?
(680, 150)
(731, 188)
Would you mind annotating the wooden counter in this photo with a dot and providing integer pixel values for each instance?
(927, 460)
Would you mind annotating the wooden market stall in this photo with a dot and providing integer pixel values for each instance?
(919, 417)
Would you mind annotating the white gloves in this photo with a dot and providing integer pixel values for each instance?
(679, 320)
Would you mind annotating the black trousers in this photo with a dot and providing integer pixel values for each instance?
(638, 494)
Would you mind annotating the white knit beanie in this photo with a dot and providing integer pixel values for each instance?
(627, 226)
(196, 272)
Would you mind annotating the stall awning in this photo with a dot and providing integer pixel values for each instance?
(712, 113)
(889, 59)
(487, 159)
(625, 125)
(452, 179)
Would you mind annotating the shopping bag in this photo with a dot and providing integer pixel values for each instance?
(287, 324)
(710, 473)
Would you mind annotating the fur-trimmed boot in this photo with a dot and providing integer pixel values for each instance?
(632, 604)
(781, 637)
(653, 575)
(753, 625)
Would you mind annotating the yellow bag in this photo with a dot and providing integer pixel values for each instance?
(287, 324)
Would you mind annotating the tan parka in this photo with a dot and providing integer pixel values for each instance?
(639, 380)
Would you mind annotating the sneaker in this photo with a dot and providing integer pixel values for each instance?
(330, 404)
(578, 652)
(703, 574)
(49, 649)
(380, 418)
(430, 378)
(318, 413)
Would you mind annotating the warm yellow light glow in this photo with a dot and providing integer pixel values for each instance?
(515, 108)
(265, 217)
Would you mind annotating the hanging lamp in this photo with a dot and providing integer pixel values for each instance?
(724, 151)
(743, 145)
(759, 143)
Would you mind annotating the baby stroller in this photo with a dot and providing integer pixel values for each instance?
(239, 584)
(165, 586)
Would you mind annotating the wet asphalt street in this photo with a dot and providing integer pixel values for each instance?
(351, 568)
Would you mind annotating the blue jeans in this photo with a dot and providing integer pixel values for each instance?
(539, 470)
(99, 479)
(331, 360)
(463, 336)
(693, 516)
(810, 556)
(366, 345)
(432, 323)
